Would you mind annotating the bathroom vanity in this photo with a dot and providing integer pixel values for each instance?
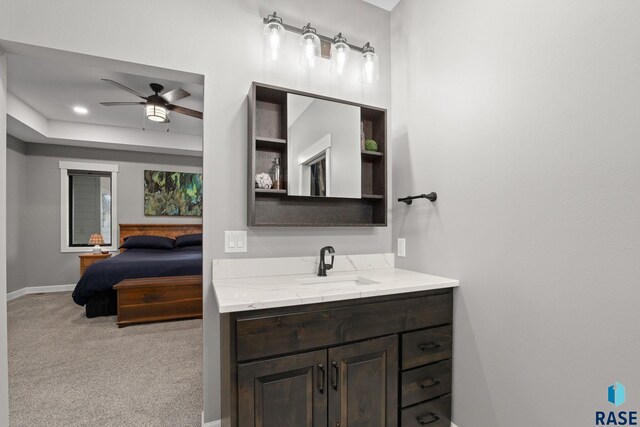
(368, 345)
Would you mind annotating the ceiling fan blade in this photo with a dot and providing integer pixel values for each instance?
(176, 94)
(186, 111)
(123, 87)
(114, 104)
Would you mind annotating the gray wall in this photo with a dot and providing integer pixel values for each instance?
(524, 116)
(229, 69)
(16, 214)
(38, 235)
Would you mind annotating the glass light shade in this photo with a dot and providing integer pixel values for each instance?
(370, 72)
(156, 113)
(340, 52)
(309, 46)
(274, 39)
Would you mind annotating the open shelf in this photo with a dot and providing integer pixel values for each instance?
(270, 191)
(375, 154)
(273, 140)
(372, 196)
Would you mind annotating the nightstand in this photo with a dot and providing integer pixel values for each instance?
(87, 259)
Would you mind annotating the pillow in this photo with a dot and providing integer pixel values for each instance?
(148, 242)
(189, 240)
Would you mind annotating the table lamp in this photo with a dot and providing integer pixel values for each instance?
(97, 240)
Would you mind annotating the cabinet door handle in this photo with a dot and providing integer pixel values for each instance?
(322, 378)
(335, 376)
(424, 422)
(429, 346)
(430, 383)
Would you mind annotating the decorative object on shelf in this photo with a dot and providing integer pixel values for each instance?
(313, 45)
(263, 181)
(339, 56)
(362, 137)
(309, 46)
(432, 197)
(370, 145)
(97, 240)
(370, 71)
(273, 35)
(172, 193)
(276, 174)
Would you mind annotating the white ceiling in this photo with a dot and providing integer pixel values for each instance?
(45, 84)
(53, 88)
(384, 4)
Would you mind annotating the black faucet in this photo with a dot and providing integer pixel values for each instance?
(323, 267)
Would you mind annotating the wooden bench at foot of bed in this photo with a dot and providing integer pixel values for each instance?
(154, 299)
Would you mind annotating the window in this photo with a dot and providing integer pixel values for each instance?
(88, 206)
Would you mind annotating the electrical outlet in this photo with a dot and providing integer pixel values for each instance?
(235, 241)
(402, 247)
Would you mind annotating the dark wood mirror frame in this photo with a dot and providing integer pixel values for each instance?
(268, 139)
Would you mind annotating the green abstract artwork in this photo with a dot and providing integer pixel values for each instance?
(172, 193)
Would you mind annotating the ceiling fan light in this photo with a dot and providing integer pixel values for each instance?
(156, 113)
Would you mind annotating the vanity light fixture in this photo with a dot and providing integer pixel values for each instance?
(156, 113)
(309, 46)
(274, 37)
(370, 72)
(340, 52)
(312, 44)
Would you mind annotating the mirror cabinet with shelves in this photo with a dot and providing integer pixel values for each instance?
(308, 164)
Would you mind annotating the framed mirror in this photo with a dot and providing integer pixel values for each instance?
(323, 153)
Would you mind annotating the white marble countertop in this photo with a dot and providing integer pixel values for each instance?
(253, 284)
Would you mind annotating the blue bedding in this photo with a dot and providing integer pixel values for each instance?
(137, 263)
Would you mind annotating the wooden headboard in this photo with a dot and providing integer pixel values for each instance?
(165, 230)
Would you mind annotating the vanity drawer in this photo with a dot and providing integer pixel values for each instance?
(259, 336)
(434, 413)
(426, 346)
(425, 383)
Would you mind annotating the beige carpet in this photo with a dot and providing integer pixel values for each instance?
(66, 370)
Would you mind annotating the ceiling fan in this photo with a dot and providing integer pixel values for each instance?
(157, 106)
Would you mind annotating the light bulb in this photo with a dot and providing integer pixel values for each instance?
(274, 37)
(340, 51)
(274, 43)
(370, 72)
(309, 47)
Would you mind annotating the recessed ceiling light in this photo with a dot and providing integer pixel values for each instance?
(80, 110)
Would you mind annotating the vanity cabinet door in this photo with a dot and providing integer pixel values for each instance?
(363, 384)
(287, 391)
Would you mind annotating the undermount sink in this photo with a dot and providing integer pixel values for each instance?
(344, 280)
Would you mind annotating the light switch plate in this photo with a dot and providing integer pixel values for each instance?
(402, 247)
(235, 241)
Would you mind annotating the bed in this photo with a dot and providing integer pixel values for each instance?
(95, 288)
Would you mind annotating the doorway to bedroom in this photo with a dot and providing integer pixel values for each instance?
(104, 241)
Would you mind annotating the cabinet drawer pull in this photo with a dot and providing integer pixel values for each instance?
(424, 422)
(334, 377)
(429, 346)
(322, 378)
(431, 383)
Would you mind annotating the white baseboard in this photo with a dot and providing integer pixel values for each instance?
(216, 423)
(39, 290)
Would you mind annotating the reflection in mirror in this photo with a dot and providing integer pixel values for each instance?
(323, 148)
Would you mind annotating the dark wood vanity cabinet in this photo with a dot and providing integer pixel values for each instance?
(383, 361)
